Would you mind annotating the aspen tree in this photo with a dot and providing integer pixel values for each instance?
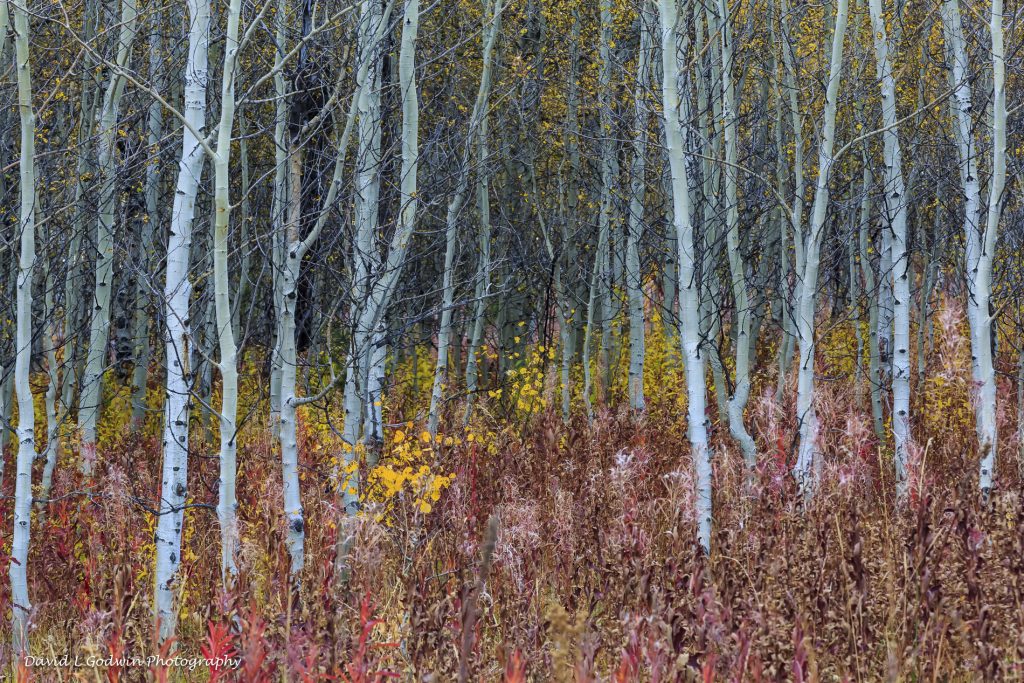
(455, 205)
(21, 607)
(177, 336)
(227, 363)
(737, 268)
(72, 309)
(375, 298)
(895, 205)
(874, 372)
(808, 461)
(99, 327)
(600, 279)
(980, 240)
(676, 111)
(987, 424)
(296, 246)
(367, 191)
(638, 183)
(278, 205)
(796, 209)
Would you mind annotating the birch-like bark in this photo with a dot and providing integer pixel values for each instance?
(979, 248)
(295, 247)
(570, 209)
(984, 346)
(452, 220)
(99, 328)
(808, 461)
(796, 209)
(896, 222)
(737, 269)
(294, 517)
(367, 191)
(73, 313)
(279, 202)
(634, 232)
(227, 505)
(675, 112)
(177, 294)
(963, 134)
(20, 605)
(885, 304)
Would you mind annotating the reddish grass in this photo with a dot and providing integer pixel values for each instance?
(566, 555)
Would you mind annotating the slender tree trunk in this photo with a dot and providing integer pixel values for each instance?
(177, 293)
(796, 209)
(452, 221)
(984, 337)
(609, 171)
(896, 220)
(737, 268)
(155, 125)
(979, 247)
(53, 329)
(808, 461)
(676, 112)
(99, 327)
(228, 363)
(367, 189)
(483, 275)
(21, 607)
(874, 373)
(279, 205)
(634, 233)
(73, 309)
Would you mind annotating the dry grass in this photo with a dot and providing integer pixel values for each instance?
(566, 553)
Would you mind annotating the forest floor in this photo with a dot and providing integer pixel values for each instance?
(520, 548)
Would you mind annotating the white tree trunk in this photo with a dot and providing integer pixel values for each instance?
(177, 293)
(874, 373)
(20, 605)
(227, 505)
(983, 339)
(452, 220)
(279, 203)
(367, 191)
(885, 304)
(796, 210)
(979, 248)
(896, 222)
(99, 328)
(737, 269)
(675, 112)
(294, 519)
(808, 462)
(633, 273)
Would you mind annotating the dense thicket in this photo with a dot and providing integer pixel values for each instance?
(636, 339)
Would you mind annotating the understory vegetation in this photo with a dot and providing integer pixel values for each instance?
(522, 548)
